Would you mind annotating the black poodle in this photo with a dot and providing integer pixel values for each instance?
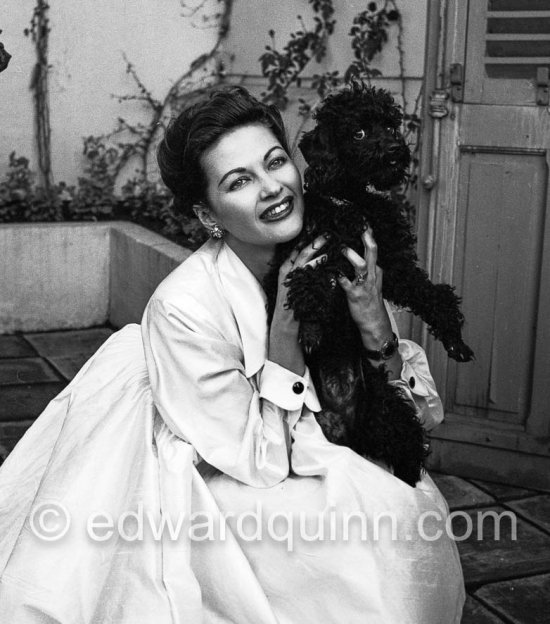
(355, 155)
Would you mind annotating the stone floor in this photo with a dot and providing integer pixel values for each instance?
(507, 575)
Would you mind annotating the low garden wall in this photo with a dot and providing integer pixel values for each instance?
(74, 275)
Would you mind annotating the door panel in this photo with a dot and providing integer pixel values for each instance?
(491, 238)
(503, 201)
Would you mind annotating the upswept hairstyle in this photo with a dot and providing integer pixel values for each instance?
(197, 128)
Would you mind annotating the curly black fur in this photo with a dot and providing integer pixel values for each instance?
(355, 154)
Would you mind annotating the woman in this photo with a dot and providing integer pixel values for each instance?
(198, 483)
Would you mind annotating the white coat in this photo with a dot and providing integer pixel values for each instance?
(168, 481)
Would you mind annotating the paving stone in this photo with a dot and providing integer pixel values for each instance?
(475, 613)
(25, 371)
(459, 493)
(25, 402)
(535, 509)
(15, 347)
(501, 491)
(73, 342)
(486, 559)
(520, 601)
(69, 365)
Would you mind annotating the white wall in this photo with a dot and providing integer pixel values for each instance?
(251, 21)
(80, 274)
(248, 37)
(16, 119)
(87, 40)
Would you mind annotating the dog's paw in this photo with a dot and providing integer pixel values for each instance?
(310, 336)
(460, 352)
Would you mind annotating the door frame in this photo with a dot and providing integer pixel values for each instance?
(468, 447)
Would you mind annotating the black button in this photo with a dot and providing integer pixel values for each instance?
(412, 382)
(298, 387)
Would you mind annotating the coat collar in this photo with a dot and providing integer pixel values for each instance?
(248, 302)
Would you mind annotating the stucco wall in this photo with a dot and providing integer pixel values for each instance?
(248, 37)
(53, 276)
(88, 38)
(73, 275)
(252, 20)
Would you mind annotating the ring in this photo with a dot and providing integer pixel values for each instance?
(361, 277)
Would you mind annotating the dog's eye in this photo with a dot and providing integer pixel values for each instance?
(359, 135)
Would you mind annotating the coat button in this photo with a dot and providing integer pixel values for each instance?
(298, 387)
(412, 382)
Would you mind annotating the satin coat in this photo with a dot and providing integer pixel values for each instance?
(113, 504)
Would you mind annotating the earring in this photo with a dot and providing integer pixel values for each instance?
(216, 232)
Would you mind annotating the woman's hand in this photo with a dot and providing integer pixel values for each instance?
(284, 348)
(365, 301)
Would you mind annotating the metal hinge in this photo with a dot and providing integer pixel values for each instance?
(457, 82)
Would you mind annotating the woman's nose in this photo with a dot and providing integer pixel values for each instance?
(270, 187)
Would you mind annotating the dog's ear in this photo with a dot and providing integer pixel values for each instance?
(314, 145)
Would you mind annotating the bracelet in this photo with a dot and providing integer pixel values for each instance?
(386, 351)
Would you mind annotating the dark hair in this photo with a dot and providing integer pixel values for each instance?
(197, 128)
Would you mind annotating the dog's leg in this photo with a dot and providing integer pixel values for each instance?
(436, 304)
(387, 428)
(311, 295)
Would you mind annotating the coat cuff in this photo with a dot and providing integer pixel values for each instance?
(415, 371)
(417, 383)
(286, 389)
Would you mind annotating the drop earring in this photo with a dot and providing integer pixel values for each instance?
(216, 232)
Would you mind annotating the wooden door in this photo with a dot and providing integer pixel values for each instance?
(486, 229)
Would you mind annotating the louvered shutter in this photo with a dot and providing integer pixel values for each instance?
(512, 43)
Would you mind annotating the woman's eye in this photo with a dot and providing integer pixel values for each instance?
(359, 135)
(237, 184)
(277, 162)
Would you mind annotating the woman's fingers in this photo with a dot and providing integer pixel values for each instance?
(359, 264)
(365, 267)
(300, 258)
(344, 283)
(379, 275)
(371, 251)
(308, 252)
(316, 261)
(312, 263)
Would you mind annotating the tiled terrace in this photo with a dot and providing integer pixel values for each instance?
(508, 580)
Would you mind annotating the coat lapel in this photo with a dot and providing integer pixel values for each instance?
(248, 302)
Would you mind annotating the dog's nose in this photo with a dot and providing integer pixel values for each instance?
(394, 148)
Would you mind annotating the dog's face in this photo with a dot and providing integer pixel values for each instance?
(357, 141)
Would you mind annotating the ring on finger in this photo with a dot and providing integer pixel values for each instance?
(361, 277)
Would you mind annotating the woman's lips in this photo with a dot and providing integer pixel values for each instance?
(279, 211)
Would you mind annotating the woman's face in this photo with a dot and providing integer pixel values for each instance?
(254, 190)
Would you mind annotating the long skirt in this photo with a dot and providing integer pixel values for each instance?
(107, 517)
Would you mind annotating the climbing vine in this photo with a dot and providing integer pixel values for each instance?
(205, 70)
(39, 32)
(108, 157)
(283, 69)
(142, 198)
(369, 34)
